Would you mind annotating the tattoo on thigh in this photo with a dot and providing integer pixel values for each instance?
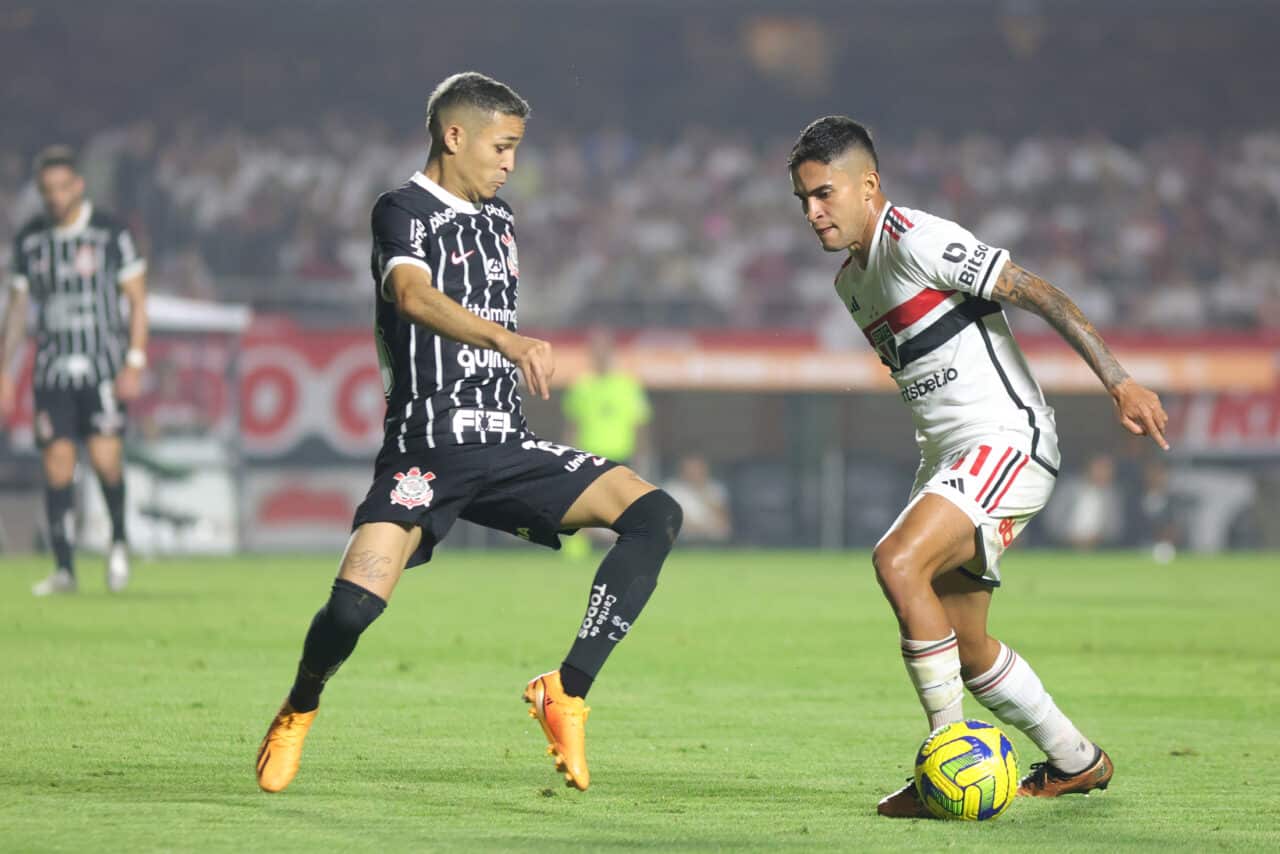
(369, 565)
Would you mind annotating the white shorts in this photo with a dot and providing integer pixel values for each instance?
(998, 486)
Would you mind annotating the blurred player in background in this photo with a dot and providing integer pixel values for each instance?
(607, 407)
(607, 410)
(445, 272)
(74, 262)
(927, 293)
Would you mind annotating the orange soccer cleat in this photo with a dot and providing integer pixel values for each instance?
(904, 803)
(564, 721)
(281, 750)
(1046, 781)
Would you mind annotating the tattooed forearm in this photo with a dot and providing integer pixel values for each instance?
(369, 565)
(1028, 291)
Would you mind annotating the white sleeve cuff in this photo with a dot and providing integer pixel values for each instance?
(391, 264)
(136, 267)
(19, 283)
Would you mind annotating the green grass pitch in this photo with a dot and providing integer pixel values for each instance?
(760, 703)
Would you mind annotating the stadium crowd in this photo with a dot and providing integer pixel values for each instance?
(702, 230)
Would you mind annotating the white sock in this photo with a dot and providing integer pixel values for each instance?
(1014, 693)
(934, 668)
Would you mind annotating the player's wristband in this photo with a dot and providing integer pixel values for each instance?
(136, 358)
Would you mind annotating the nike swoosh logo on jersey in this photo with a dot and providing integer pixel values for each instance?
(458, 259)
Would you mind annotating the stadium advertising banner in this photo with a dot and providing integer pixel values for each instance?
(321, 388)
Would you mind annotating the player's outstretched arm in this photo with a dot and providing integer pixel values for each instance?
(129, 380)
(15, 329)
(1138, 408)
(419, 301)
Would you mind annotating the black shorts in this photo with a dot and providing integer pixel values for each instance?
(76, 413)
(522, 487)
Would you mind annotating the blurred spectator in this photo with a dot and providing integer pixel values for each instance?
(705, 502)
(701, 229)
(1087, 510)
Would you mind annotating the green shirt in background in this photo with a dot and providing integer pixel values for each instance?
(608, 411)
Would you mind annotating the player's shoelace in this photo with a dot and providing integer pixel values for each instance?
(1042, 771)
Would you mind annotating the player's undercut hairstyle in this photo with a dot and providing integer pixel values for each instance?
(471, 89)
(829, 138)
(55, 155)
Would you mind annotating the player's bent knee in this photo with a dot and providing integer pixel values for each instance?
(351, 608)
(896, 570)
(655, 517)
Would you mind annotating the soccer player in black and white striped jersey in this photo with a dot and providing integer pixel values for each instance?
(74, 263)
(456, 445)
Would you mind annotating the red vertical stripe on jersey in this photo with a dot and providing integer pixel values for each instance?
(909, 312)
(896, 214)
(959, 462)
(1012, 478)
(994, 471)
(983, 451)
(890, 230)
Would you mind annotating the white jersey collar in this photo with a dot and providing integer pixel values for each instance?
(875, 238)
(459, 204)
(82, 220)
(875, 242)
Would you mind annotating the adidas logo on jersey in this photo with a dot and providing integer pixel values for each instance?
(920, 388)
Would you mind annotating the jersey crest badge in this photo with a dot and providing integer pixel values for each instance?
(513, 258)
(86, 261)
(886, 345)
(413, 488)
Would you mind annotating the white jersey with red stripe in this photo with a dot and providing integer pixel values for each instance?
(924, 303)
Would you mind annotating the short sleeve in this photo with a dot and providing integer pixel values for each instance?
(399, 237)
(18, 267)
(131, 263)
(946, 256)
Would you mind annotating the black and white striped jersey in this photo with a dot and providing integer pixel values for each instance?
(73, 274)
(440, 392)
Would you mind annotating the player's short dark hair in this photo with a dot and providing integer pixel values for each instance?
(830, 137)
(55, 155)
(472, 89)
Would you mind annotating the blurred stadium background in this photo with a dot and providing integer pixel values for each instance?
(1131, 153)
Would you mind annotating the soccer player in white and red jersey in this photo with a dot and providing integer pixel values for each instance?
(927, 294)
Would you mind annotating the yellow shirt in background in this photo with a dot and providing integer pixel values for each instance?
(608, 410)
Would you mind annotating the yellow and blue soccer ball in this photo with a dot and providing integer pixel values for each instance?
(967, 770)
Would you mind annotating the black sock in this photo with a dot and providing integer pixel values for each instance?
(57, 507)
(626, 578)
(333, 634)
(113, 494)
(574, 681)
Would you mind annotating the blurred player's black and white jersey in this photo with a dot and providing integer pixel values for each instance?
(924, 303)
(73, 275)
(440, 392)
